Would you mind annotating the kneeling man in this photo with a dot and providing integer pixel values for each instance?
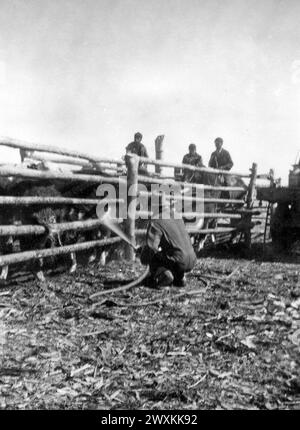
(168, 250)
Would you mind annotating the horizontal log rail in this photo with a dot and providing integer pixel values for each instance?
(37, 200)
(21, 230)
(29, 229)
(210, 215)
(146, 214)
(21, 257)
(76, 225)
(142, 232)
(243, 211)
(182, 197)
(18, 144)
(71, 161)
(147, 180)
(75, 161)
(242, 226)
(191, 167)
(212, 230)
(21, 172)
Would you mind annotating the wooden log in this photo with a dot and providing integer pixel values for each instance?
(251, 188)
(90, 224)
(142, 232)
(192, 168)
(25, 230)
(21, 172)
(211, 230)
(144, 214)
(241, 225)
(159, 153)
(18, 144)
(21, 257)
(147, 180)
(210, 215)
(37, 200)
(196, 199)
(101, 166)
(71, 161)
(243, 211)
(132, 164)
(249, 203)
(21, 230)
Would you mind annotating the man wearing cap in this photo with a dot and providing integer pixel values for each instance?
(138, 148)
(193, 159)
(220, 159)
(168, 250)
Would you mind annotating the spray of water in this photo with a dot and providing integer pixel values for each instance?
(112, 225)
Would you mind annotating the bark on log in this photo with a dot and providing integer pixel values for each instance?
(52, 252)
(132, 164)
(36, 200)
(159, 153)
(21, 230)
(18, 144)
(145, 179)
(249, 202)
(21, 172)
(192, 168)
(197, 199)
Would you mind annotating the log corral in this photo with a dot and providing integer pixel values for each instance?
(50, 200)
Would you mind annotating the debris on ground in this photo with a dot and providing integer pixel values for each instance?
(229, 340)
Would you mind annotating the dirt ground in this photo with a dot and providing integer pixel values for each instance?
(229, 340)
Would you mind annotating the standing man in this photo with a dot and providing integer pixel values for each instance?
(138, 148)
(168, 250)
(220, 159)
(193, 159)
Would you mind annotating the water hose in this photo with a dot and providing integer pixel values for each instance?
(132, 284)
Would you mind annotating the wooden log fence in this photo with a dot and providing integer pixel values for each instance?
(21, 172)
(240, 210)
(22, 257)
(18, 144)
(161, 163)
(55, 201)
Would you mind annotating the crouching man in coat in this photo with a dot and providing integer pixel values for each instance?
(168, 249)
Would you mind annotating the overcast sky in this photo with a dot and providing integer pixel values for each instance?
(87, 74)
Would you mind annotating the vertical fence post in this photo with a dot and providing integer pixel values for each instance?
(132, 164)
(272, 178)
(159, 152)
(249, 202)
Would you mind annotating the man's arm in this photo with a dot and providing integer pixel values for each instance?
(229, 162)
(212, 161)
(199, 162)
(184, 160)
(128, 148)
(144, 152)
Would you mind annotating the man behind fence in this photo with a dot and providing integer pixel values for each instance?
(192, 158)
(220, 158)
(168, 250)
(138, 148)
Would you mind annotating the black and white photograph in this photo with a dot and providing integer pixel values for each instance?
(149, 207)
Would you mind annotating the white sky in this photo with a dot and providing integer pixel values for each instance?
(87, 74)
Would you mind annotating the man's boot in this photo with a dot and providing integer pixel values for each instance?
(164, 278)
(179, 281)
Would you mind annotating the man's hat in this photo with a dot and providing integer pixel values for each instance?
(219, 140)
